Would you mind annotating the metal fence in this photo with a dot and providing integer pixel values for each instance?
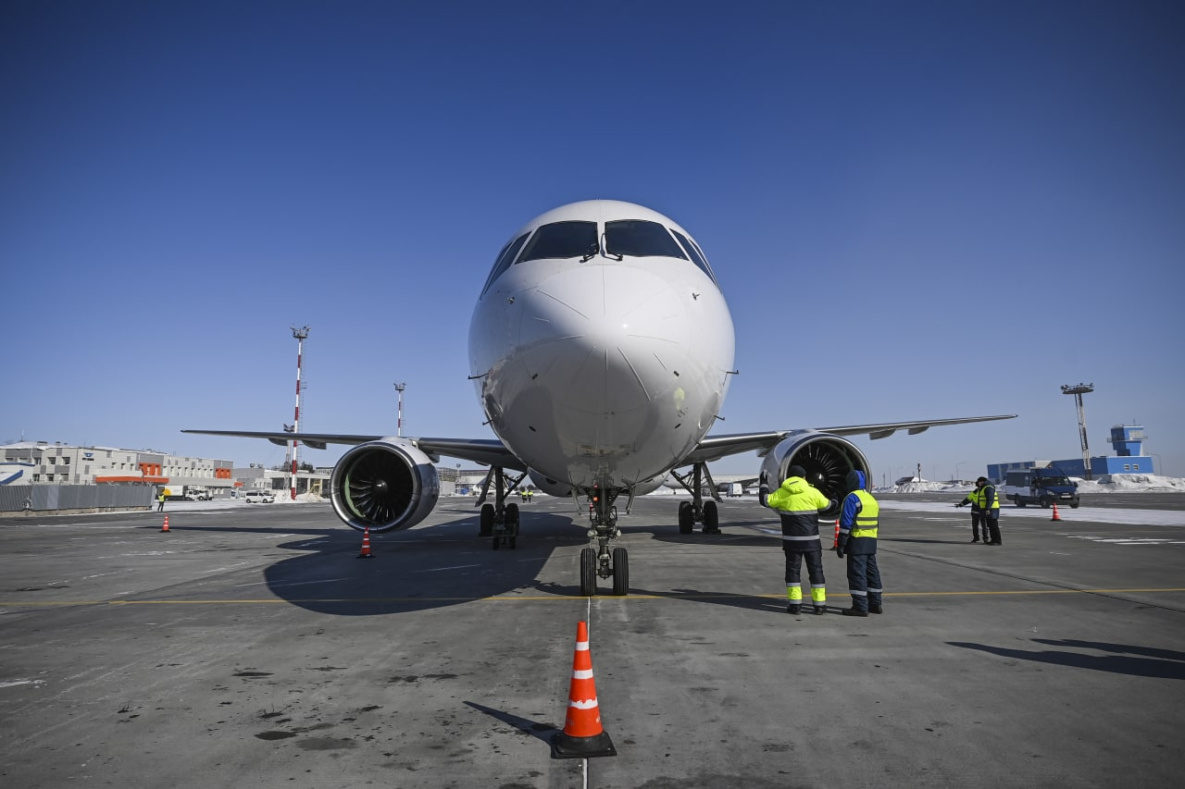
(43, 498)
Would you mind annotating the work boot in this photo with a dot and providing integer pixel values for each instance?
(974, 539)
(875, 609)
(820, 610)
(854, 612)
(793, 609)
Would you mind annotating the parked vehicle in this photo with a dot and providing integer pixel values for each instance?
(259, 497)
(196, 493)
(1044, 486)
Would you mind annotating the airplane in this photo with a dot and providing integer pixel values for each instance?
(601, 348)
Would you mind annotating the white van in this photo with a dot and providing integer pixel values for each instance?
(259, 497)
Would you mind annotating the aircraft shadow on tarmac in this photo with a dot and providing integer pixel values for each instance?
(732, 533)
(445, 565)
(1124, 659)
(746, 602)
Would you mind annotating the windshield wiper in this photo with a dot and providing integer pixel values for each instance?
(614, 255)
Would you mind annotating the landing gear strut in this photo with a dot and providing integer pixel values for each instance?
(697, 510)
(600, 562)
(499, 520)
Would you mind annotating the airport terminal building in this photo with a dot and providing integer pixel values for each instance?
(65, 476)
(1126, 440)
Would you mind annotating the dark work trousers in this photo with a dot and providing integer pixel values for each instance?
(991, 522)
(864, 580)
(814, 565)
(975, 518)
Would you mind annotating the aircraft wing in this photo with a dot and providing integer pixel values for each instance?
(479, 450)
(716, 447)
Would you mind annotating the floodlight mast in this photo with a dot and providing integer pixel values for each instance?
(399, 423)
(1078, 391)
(299, 335)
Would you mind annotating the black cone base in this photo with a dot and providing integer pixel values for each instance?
(566, 747)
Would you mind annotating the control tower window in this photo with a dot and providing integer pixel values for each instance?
(505, 257)
(640, 238)
(562, 240)
(696, 253)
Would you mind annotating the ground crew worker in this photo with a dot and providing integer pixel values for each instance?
(160, 507)
(976, 512)
(989, 502)
(858, 526)
(799, 503)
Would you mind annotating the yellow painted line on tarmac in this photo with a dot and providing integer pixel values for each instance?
(561, 598)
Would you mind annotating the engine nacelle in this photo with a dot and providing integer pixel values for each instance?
(384, 485)
(826, 458)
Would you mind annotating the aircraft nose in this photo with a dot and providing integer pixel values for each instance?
(610, 335)
(604, 307)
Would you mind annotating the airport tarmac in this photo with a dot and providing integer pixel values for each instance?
(250, 646)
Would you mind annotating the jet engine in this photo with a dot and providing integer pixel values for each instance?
(826, 458)
(386, 485)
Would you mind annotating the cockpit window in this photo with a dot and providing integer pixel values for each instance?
(505, 258)
(640, 238)
(696, 253)
(562, 240)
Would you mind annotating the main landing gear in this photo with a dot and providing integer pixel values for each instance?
(697, 510)
(499, 520)
(600, 562)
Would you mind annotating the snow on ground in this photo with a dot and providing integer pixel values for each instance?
(226, 502)
(1108, 483)
(1067, 517)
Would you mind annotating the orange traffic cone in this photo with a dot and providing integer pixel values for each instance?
(366, 554)
(583, 735)
(166, 526)
(1055, 517)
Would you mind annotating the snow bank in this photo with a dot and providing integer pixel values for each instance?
(1108, 483)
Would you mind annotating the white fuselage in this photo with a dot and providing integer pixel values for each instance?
(602, 371)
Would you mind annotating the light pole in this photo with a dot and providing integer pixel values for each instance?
(399, 424)
(1078, 391)
(957, 477)
(300, 335)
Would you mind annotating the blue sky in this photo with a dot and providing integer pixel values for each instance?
(916, 210)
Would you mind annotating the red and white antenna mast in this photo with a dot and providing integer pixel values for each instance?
(300, 335)
(399, 424)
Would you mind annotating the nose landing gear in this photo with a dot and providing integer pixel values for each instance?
(600, 561)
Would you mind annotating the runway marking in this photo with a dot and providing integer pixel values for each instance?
(559, 598)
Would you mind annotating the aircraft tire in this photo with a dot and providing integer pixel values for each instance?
(512, 526)
(621, 572)
(588, 572)
(711, 518)
(686, 518)
(487, 521)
